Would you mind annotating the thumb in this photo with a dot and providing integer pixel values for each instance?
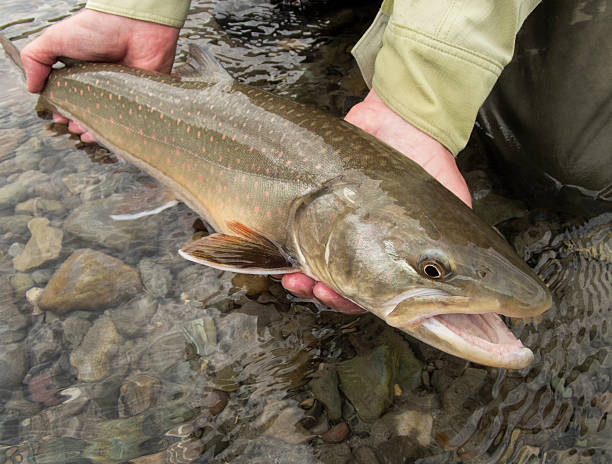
(38, 57)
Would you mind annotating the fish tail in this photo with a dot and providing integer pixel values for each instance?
(12, 53)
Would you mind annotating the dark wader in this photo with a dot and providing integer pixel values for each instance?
(549, 116)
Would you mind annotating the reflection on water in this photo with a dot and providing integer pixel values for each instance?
(155, 359)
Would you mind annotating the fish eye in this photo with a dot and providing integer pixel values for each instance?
(433, 264)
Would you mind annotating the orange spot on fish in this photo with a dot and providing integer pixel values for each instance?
(58, 84)
(211, 138)
(243, 179)
(161, 115)
(139, 107)
(81, 91)
(88, 109)
(188, 167)
(251, 149)
(188, 129)
(167, 160)
(288, 162)
(130, 112)
(111, 120)
(266, 193)
(178, 121)
(269, 214)
(267, 171)
(201, 177)
(280, 154)
(132, 91)
(318, 166)
(110, 96)
(263, 150)
(177, 151)
(257, 209)
(212, 169)
(238, 161)
(118, 97)
(120, 116)
(51, 95)
(203, 149)
(278, 210)
(139, 131)
(97, 106)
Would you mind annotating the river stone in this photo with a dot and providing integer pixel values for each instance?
(367, 381)
(13, 193)
(92, 359)
(132, 318)
(157, 279)
(137, 394)
(21, 283)
(12, 322)
(41, 207)
(44, 245)
(92, 222)
(10, 139)
(12, 365)
(75, 329)
(14, 224)
(89, 280)
(324, 385)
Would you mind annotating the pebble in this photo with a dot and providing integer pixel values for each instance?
(89, 280)
(253, 284)
(44, 245)
(324, 386)
(10, 139)
(12, 321)
(137, 394)
(33, 296)
(15, 249)
(336, 434)
(41, 207)
(378, 370)
(21, 283)
(75, 329)
(156, 278)
(17, 224)
(133, 318)
(93, 358)
(13, 365)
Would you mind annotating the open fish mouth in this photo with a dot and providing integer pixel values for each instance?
(480, 336)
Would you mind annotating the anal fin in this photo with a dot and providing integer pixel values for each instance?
(249, 252)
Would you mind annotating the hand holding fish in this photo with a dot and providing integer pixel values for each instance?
(94, 36)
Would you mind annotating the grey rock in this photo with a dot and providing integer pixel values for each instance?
(42, 276)
(202, 334)
(12, 364)
(45, 342)
(13, 193)
(133, 318)
(15, 249)
(75, 329)
(93, 358)
(44, 245)
(365, 455)
(17, 224)
(92, 222)
(33, 180)
(156, 278)
(28, 157)
(10, 139)
(324, 385)
(89, 280)
(41, 207)
(137, 394)
(12, 322)
(367, 381)
(21, 283)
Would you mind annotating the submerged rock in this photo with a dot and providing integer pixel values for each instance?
(44, 245)
(156, 278)
(137, 394)
(133, 318)
(367, 381)
(41, 207)
(17, 224)
(92, 222)
(324, 385)
(12, 364)
(89, 280)
(12, 322)
(92, 359)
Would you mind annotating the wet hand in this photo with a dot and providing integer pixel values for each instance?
(374, 116)
(94, 36)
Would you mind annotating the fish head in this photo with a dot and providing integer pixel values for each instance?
(429, 267)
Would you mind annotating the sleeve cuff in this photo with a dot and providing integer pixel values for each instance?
(162, 12)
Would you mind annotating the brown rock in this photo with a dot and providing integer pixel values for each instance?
(44, 245)
(336, 434)
(89, 280)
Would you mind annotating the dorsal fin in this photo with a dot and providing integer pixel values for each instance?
(205, 66)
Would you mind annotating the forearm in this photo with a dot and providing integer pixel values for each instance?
(435, 65)
(170, 13)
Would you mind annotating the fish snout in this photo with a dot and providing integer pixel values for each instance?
(529, 298)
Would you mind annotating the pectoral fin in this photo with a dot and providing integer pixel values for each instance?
(249, 252)
(146, 200)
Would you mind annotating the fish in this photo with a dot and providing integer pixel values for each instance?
(289, 188)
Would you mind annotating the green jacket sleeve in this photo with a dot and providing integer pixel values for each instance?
(434, 62)
(168, 12)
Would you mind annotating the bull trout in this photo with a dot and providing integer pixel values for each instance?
(289, 188)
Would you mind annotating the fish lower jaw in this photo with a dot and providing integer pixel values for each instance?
(482, 338)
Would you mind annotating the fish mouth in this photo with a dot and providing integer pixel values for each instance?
(479, 335)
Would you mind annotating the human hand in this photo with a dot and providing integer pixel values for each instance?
(95, 36)
(374, 116)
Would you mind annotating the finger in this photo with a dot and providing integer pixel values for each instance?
(58, 118)
(75, 127)
(330, 298)
(88, 137)
(299, 284)
(38, 57)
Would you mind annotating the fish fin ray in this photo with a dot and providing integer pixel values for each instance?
(205, 66)
(249, 253)
(145, 200)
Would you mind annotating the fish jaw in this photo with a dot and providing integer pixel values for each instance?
(478, 334)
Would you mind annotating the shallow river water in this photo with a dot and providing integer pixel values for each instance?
(155, 359)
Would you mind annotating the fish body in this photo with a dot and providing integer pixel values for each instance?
(290, 188)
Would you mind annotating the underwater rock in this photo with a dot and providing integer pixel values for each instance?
(44, 245)
(12, 364)
(367, 381)
(10, 139)
(410, 368)
(75, 329)
(324, 386)
(17, 224)
(137, 394)
(282, 420)
(365, 455)
(133, 317)
(13, 193)
(21, 283)
(12, 322)
(412, 423)
(202, 334)
(92, 359)
(157, 279)
(251, 283)
(89, 280)
(41, 207)
(92, 222)
(336, 434)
